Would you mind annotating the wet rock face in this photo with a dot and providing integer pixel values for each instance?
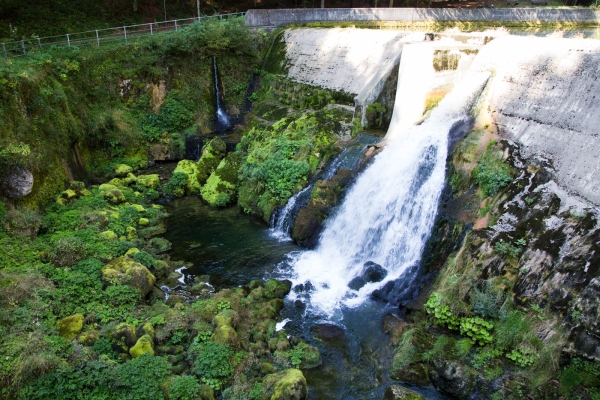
(17, 183)
(397, 392)
(328, 332)
(453, 378)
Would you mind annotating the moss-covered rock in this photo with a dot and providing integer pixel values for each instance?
(123, 170)
(125, 333)
(311, 357)
(220, 188)
(147, 329)
(115, 196)
(276, 289)
(151, 181)
(70, 326)
(212, 154)
(286, 385)
(191, 169)
(129, 179)
(125, 271)
(144, 345)
(131, 233)
(143, 221)
(132, 251)
(108, 235)
(224, 332)
(88, 338)
(397, 392)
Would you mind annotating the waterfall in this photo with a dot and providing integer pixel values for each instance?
(387, 215)
(282, 221)
(222, 118)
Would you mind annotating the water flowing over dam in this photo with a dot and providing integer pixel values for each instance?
(387, 215)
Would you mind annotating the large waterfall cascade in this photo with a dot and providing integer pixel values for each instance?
(388, 214)
(223, 121)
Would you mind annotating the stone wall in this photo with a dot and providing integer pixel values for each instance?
(282, 17)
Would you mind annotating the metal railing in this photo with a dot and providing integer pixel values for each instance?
(108, 35)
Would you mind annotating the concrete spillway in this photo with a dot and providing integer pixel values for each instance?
(543, 89)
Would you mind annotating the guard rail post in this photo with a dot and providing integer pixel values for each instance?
(4, 50)
(68, 40)
(151, 33)
(125, 31)
(23, 47)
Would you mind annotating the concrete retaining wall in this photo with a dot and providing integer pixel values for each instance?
(282, 17)
(545, 95)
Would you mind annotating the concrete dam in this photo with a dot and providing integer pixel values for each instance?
(541, 94)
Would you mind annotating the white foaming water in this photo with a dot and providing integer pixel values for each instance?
(281, 226)
(388, 214)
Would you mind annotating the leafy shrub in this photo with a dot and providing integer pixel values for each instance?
(22, 223)
(477, 329)
(295, 356)
(491, 173)
(184, 388)
(145, 259)
(67, 251)
(441, 312)
(176, 185)
(522, 356)
(212, 363)
(487, 302)
(507, 249)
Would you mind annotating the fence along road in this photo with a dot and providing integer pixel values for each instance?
(108, 35)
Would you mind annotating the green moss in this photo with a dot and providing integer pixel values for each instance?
(125, 334)
(150, 181)
(88, 338)
(123, 170)
(286, 385)
(108, 235)
(190, 168)
(221, 186)
(212, 154)
(144, 345)
(70, 326)
(143, 221)
(125, 271)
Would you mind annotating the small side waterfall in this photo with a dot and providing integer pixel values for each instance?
(387, 215)
(223, 122)
(282, 220)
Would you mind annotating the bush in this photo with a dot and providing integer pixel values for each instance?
(67, 251)
(145, 259)
(487, 302)
(507, 249)
(22, 223)
(184, 388)
(176, 185)
(212, 363)
(491, 173)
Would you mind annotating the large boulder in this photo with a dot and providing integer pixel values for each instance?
(212, 154)
(17, 183)
(123, 170)
(143, 346)
(286, 385)
(373, 272)
(191, 169)
(125, 271)
(70, 326)
(221, 186)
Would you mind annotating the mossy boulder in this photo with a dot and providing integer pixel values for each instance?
(88, 338)
(108, 235)
(286, 385)
(397, 392)
(151, 181)
(114, 196)
(139, 208)
(123, 170)
(70, 326)
(191, 169)
(212, 154)
(125, 271)
(275, 289)
(131, 233)
(126, 334)
(132, 251)
(143, 221)
(224, 332)
(220, 188)
(146, 329)
(311, 357)
(144, 345)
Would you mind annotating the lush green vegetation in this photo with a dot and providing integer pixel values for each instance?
(109, 103)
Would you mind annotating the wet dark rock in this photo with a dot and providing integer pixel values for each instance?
(356, 283)
(328, 332)
(453, 378)
(373, 272)
(414, 374)
(397, 392)
(175, 299)
(298, 304)
(586, 333)
(395, 327)
(17, 183)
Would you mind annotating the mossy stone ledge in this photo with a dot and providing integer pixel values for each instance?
(125, 271)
